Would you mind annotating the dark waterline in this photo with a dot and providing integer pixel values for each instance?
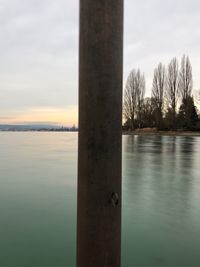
(161, 200)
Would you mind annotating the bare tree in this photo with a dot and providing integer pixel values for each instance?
(172, 89)
(129, 107)
(133, 96)
(185, 78)
(185, 89)
(158, 89)
(140, 92)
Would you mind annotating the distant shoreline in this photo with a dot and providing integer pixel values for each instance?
(136, 132)
(36, 128)
(162, 133)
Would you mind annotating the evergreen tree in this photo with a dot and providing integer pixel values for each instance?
(187, 116)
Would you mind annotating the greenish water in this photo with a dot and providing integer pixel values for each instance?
(161, 200)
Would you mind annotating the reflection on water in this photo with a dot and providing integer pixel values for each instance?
(161, 189)
(161, 200)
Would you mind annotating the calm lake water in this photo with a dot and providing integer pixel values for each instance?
(161, 200)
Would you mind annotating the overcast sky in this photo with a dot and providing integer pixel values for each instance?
(39, 52)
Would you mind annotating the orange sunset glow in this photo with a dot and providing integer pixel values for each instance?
(60, 116)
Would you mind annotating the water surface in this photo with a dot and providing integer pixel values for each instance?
(161, 200)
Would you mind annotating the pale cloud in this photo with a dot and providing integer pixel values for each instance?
(39, 50)
(163, 30)
(38, 54)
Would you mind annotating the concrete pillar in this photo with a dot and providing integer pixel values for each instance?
(100, 123)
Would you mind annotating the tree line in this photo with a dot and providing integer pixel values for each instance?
(171, 104)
